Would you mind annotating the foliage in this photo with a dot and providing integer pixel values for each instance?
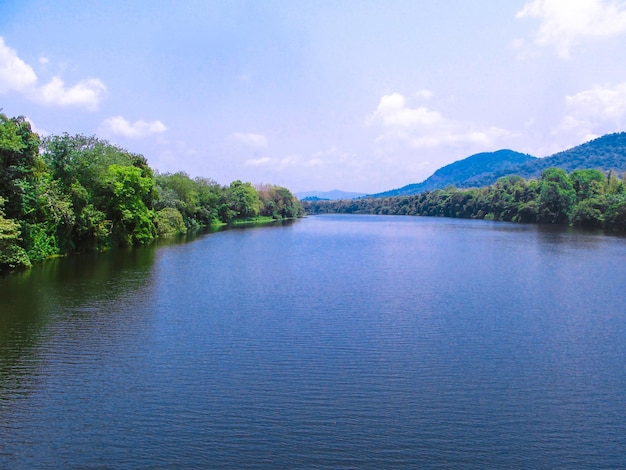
(66, 194)
(128, 197)
(19, 148)
(12, 255)
(605, 153)
(585, 198)
(169, 222)
(465, 172)
(556, 197)
(243, 200)
(195, 199)
(278, 202)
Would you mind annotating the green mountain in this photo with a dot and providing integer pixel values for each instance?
(465, 173)
(604, 153)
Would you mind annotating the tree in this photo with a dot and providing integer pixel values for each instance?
(589, 213)
(556, 198)
(587, 183)
(19, 148)
(169, 222)
(209, 193)
(105, 184)
(615, 217)
(12, 255)
(128, 190)
(278, 202)
(243, 200)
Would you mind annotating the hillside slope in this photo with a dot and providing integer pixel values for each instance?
(464, 173)
(605, 153)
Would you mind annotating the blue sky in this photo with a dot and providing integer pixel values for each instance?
(315, 95)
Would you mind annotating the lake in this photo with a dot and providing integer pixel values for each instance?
(337, 341)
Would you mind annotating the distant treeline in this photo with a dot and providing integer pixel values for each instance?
(584, 198)
(66, 194)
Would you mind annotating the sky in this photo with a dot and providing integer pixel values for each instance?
(361, 96)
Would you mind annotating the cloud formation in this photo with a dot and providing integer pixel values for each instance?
(87, 93)
(603, 102)
(422, 127)
(564, 23)
(120, 126)
(392, 111)
(16, 76)
(593, 112)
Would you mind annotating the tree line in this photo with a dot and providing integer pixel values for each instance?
(66, 194)
(583, 198)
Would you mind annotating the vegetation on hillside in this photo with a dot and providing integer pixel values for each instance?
(465, 173)
(606, 153)
(66, 194)
(584, 198)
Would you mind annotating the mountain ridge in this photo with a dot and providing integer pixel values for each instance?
(606, 153)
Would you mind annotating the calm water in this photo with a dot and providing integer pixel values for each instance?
(333, 342)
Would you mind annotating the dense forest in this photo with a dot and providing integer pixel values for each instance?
(584, 198)
(67, 194)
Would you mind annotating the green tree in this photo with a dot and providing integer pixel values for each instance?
(19, 148)
(556, 198)
(129, 193)
(12, 255)
(615, 216)
(209, 194)
(97, 177)
(278, 202)
(243, 200)
(196, 199)
(169, 222)
(587, 183)
(589, 213)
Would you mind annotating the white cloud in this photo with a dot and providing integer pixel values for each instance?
(602, 102)
(565, 22)
(87, 93)
(118, 125)
(251, 139)
(393, 112)
(17, 76)
(422, 127)
(593, 112)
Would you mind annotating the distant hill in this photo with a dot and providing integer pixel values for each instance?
(466, 172)
(604, 153)
(327, 195)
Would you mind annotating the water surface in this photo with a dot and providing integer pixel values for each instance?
(333, 342)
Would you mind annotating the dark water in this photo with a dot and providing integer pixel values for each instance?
(334, 342)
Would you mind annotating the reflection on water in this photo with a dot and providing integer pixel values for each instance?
(65, 296)
(334, 342)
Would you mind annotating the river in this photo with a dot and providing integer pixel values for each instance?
(337, 341)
